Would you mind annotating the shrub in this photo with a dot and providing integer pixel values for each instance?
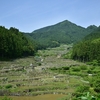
(54, 68)
(92, 67)
(6, 98)
(89, 71)
(1, 87)
(82, 89)
(94, 63)
(65, 68)
(39, 64)
(87, 96)
(83, 67)
(8, 86)
(76, 69)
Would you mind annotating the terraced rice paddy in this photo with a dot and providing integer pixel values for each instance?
(28, 77)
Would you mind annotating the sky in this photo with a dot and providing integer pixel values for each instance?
(29, 15)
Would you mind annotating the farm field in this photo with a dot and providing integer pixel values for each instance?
(39, 97)
(45, 76)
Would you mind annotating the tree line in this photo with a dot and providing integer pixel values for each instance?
(14, 44)
(88, 49)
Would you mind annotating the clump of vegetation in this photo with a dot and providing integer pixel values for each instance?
(83, 67)
(76, 69)
(94, 63)
(1, 87)
(8, 86)
(68, 55)
(6, 98)
(87, 96)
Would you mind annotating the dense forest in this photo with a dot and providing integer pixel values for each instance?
(89, 48)
(14, 44)
(64, 32)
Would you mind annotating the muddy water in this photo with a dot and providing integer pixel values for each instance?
(39, 97)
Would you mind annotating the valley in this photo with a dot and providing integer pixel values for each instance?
(49, 50)
(31, 76)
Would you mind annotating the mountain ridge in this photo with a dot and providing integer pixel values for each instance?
(63, 32)
(57, 24)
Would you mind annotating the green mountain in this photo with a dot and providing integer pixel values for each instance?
(64, 32)
(89, 48)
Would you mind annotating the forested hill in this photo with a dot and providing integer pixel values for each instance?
(14, 44)
(89, 48)
(63, 32)
(94, 35)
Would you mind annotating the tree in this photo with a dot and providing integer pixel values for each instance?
(14, 44)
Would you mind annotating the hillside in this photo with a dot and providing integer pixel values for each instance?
(64, 32)
(89, 48)
(94, 35)
(14, 44)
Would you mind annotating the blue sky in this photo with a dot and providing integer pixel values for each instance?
(29, 15)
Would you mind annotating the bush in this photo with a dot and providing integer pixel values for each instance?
(76, 69)
(94, 63)
(54, 68)
(1, 87)
(8, 86)
(66, 68)
(39, 64)
(83, 67)
(82, 89)
(87, 96)
(89, 71)
(92, 67)
(6, 98)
